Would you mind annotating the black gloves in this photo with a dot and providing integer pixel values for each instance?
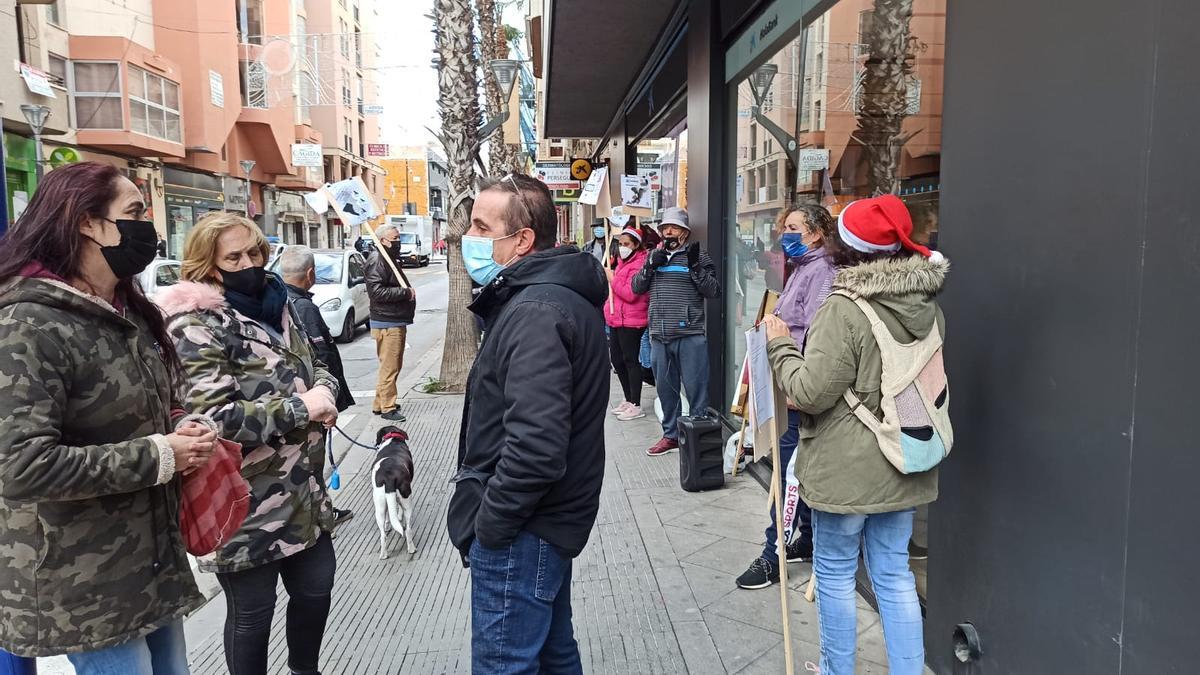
(656, 259)
(693, 255)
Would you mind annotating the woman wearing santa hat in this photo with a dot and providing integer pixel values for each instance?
(860, 502)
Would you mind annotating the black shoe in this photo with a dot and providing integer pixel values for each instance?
(341, 515)
(917, 552)
(394, 416)
(800, 551)
(762, 573)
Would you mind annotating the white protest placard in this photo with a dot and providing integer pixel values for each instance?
(636, 193)
(307, 154)
(595, 184)
(353, 202)
(762, 389)
(318, 201)
(619, 217)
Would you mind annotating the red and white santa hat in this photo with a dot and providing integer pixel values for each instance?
(880, 225)
(633, 232)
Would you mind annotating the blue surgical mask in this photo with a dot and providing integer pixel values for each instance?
(598, 232)
(793, 246)
(477, 256)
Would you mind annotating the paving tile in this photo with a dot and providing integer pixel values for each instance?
(727, 555)
(724, 522)
(708, 585)
(686, 542)
(739, 644)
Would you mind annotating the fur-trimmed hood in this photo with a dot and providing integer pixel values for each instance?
(903, 287)
(891, 276)
(190, 296)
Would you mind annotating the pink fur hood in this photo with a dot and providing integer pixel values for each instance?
(190, 296)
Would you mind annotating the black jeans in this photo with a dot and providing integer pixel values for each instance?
(623, 347)
(250, 597)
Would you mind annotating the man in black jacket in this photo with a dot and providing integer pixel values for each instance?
(393, 305)
(531, 449)
(298, 268)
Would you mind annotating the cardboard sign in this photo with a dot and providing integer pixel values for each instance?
(595, 184)
(353, 202)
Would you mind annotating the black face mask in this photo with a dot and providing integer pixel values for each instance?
(139, 245)
(249, 281)
(671, 243)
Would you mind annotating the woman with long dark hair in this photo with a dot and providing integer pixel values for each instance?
(252, 368)
(92, 563)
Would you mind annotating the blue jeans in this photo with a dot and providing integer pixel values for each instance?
(803, 519)
(683, 360)
(521, 610)
(883, 539)
(162, 652)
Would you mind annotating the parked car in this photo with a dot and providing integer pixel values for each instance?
(276, 249)
(158, 275)
(341, 291)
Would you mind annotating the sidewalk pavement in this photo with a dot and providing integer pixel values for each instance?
(653, 591)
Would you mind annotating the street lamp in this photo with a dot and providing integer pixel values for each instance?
(760, 86)
(36, 116)
(505, 72)
(247, 166)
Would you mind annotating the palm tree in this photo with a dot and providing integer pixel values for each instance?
(883, 104)
(458, 101)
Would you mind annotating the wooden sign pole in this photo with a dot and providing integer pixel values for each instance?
(781, 546)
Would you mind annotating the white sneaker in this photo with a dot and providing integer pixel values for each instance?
(633, 412)
(620, 409)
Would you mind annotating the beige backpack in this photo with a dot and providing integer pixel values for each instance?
(915, 432)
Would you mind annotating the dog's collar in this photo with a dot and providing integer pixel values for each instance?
(396, 435)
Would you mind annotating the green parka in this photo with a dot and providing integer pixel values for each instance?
(90, 551)
(838, 461)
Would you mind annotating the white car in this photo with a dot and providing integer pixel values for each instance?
(341, 291)
(158, 275)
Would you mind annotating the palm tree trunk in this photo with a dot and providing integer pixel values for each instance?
(884, 100)
(458, 101)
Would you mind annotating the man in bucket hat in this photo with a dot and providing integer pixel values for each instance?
(679, 278)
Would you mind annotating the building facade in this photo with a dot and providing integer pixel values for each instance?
(201, 120)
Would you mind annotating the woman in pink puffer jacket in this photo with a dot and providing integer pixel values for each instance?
(626, 314)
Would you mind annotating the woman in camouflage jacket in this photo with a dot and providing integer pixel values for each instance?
(250, 367)
(92, 563)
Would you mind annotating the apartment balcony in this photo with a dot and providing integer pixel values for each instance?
(126, 98)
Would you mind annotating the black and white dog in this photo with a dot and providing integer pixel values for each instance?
(393, 472)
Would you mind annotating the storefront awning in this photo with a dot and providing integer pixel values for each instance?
(595, 51)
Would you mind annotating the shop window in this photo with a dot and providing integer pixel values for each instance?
(154, 106)
(96, 95)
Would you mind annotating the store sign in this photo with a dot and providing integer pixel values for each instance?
(814, 159)
(556, 175)
(377, 150)
(64, 156)
(566, 196)
(37, 81)
(216, 88)
(581, 169)
(762, 37)
(372, 110)
(307, 154)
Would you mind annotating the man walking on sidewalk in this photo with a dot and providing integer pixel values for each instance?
(679, 277)
(393, 305)
(531, 448)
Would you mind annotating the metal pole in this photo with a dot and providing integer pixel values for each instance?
(247, 194)
(37, 159)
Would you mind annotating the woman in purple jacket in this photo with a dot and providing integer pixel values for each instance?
(806, 231)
